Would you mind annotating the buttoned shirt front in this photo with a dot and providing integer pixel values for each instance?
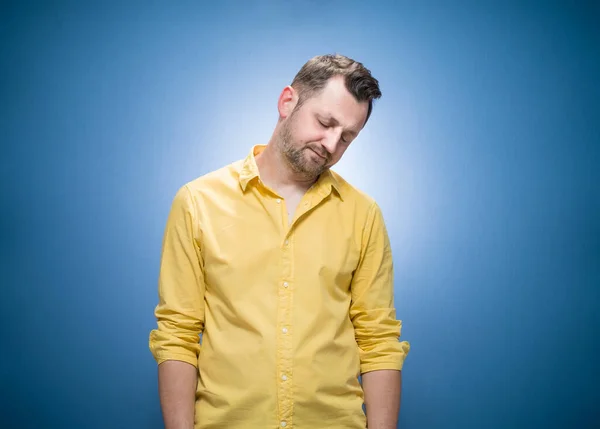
(290, 313)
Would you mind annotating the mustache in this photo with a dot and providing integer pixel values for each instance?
(323, 154)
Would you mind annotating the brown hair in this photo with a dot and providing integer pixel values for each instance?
(316, 72)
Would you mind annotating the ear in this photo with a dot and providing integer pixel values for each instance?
(287, 101)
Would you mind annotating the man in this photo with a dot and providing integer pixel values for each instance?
(286, 271)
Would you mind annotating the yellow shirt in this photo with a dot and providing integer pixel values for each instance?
(290, 313)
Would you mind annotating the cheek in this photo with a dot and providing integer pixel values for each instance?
(306, 135)
(314, 135)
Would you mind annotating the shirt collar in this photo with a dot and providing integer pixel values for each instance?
(249, 171)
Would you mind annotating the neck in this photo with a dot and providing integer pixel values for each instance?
(276, 172)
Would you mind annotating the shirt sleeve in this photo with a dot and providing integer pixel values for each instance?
(372, 311)
(180, 309)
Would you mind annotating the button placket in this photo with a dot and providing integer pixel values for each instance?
(284, 333)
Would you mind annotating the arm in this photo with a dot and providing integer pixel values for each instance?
(382, 398)
(375, 325)
(179, 313)
(176, 387)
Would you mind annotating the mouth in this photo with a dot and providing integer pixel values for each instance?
(318, 154)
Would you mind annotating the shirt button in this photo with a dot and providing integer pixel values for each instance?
(285, 284)
(283, 424)
(287, 242)
(284, 330)
(284, 377)
(278, 200)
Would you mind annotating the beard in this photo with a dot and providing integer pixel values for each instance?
(299, 155)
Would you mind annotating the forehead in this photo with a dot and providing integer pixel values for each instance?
(336, 101)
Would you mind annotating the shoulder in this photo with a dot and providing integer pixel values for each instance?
(208, 189)
(353, 194)
(365, 207)
(216, 180)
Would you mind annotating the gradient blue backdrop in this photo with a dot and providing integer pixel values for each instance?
(483, 153)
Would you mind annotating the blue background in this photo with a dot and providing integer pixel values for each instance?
(483, 153)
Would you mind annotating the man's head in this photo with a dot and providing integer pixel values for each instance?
(322, 111)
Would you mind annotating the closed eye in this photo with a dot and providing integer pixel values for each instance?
(347, 138)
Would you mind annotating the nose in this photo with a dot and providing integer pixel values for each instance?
(332, 139)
